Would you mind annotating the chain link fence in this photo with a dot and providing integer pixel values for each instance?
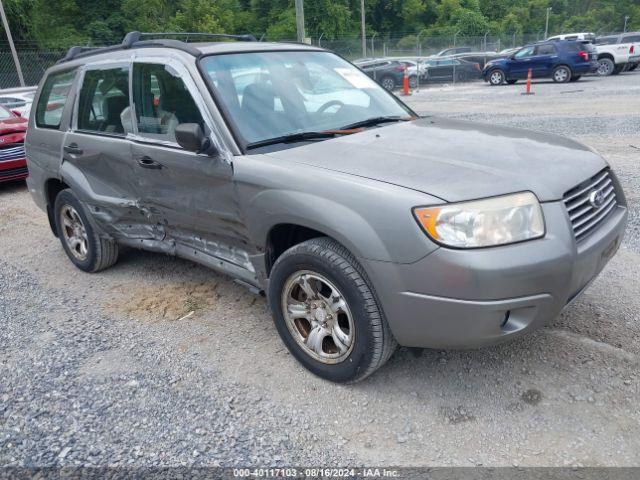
(35, 61)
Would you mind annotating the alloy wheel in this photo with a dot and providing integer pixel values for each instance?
(605, 67)
(318, 317)
(561, 75)
(496, 78)
(388, 84)
(74, 232)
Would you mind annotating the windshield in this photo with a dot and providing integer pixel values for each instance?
(273, 94)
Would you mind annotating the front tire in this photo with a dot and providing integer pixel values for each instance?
(496, 78)
(562, 74)
(326, 312)
(84, 247)
(605, 67)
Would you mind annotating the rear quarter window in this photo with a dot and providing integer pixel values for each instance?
(53, 99)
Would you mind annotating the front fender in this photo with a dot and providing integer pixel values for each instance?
(307, 210)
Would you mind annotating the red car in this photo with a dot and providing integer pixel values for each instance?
(13, 163)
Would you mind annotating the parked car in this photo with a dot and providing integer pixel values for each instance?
(18, 100)
(617, 53)
(13, 163)
(563, 61)
(365, 225)
(481, 58)
(388, 73)
(417, 72)
(448, 69)
(447, 52)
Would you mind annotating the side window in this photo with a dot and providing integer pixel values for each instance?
(631, 39)
(525, 52)
(162, 101)
(103, 105)
(547, 49)
(606, 40)
(53, 99)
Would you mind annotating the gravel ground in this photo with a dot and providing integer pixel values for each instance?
(103, 370)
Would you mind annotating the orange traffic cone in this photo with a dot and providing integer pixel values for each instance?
(529, 76)
(405, 90)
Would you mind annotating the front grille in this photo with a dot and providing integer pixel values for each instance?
(12, 152)
(13, 172)
(585, 214)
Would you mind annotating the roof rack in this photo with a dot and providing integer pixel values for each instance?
(140, 39)
(133, 37)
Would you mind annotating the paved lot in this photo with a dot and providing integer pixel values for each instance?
(96, 369)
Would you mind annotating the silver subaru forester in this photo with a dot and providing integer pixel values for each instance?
(287, 168)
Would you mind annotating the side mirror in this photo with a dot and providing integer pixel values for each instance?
(191, 137)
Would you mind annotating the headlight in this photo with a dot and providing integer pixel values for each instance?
(484, 223)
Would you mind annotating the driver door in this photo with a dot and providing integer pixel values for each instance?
(522, 62)
(188, 197)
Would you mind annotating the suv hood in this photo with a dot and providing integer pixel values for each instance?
(456, 160)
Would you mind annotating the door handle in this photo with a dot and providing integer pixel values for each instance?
(148, 162)
(73, 149)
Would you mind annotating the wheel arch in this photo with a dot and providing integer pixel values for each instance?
(307, 216)
(52, 187)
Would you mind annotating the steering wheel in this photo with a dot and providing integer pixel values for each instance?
(328, 105)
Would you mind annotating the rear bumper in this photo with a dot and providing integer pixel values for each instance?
(471, 298)
(590, 67)
(13, 170)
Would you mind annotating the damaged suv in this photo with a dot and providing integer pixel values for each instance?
(289, 169)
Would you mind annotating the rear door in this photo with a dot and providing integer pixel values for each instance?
(96, 153)
(44, 148)
(544, 60)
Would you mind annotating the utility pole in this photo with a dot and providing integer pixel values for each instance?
(546, 28)
(626, 19)
(300, 20)
(16, 60)
(363, 32)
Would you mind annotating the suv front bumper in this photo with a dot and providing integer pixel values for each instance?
(470, 298)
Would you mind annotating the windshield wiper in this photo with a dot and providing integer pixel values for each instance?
(295, 137)
(372, 122)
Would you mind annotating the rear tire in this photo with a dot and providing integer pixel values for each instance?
(562, 74)
(633, 67)
(326, 312)
(388, 83)
(84, 247)
(413, 82)
(496, 77)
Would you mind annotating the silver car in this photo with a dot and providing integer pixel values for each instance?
(287, 168)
